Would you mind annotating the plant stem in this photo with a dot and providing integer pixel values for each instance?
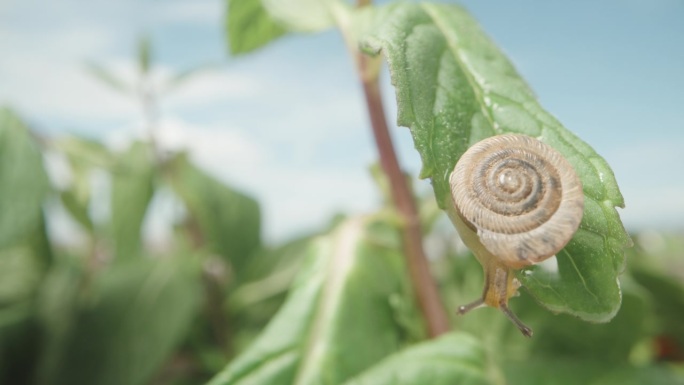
(418, 266)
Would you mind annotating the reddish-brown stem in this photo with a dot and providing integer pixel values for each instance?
(423, 282)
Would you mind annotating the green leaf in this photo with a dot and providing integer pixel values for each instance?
(132, 190)
(229, 222)
(262, 289)
(667, 297)
(338, 319)
(608, 343)
(77, 209)
(20, 343)
(252, 24)
(144, 54)
(304, 15)
(455, 358)
(57, 311)
(125, 327)
(269, 273)
(23, 181)
(249, 26)
(20, 273)
(454, 88)
(22, 267)
(652, 375)
(582, 371)
(84, 153)
(84, 156)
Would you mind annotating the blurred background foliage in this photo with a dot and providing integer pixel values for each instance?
(123, 312)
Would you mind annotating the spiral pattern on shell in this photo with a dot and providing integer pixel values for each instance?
(522, 197)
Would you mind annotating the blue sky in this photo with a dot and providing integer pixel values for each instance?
(287, 124)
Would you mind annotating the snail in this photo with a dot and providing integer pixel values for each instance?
(517, 202)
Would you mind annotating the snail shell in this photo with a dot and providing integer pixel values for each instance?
(521, 196)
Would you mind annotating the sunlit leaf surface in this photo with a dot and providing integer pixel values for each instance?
(23, 181)
(451, 359)
(338, 319)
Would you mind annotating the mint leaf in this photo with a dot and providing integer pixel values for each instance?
(132, 190)
(23, 181)
(127, 325)
(84, 156)
(455, 358)
(557, 371)
(454, 88)
(229, 221)
(251, 24)
(338, 319)
(303, 15)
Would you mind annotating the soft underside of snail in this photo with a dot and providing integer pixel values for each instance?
(518, 202)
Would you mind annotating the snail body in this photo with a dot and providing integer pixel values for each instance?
(518, 202)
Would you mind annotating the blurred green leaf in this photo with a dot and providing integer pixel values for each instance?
(249, 26)
(304, 15)
(653, 375)
(23, 181)
(667, 297)
(78, 210)
(269, 273)
(132, 190)
(19, 346)
(566, 336)
(20, 272)
(656, 264)
(582, 371)
(125, 326)
(262, 289)
(84, 156)
(108, 78)
(57, 311)
(455, 358)
(454, 88)
(560, 336)
(22, 268)
(228, 221)
(660, 252)
(144, 54)
(83, 152)
(252, 24)
(337, 320)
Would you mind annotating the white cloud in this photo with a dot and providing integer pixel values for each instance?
(43, 72)
(210, 86)
(211, 146)
(57, 89)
